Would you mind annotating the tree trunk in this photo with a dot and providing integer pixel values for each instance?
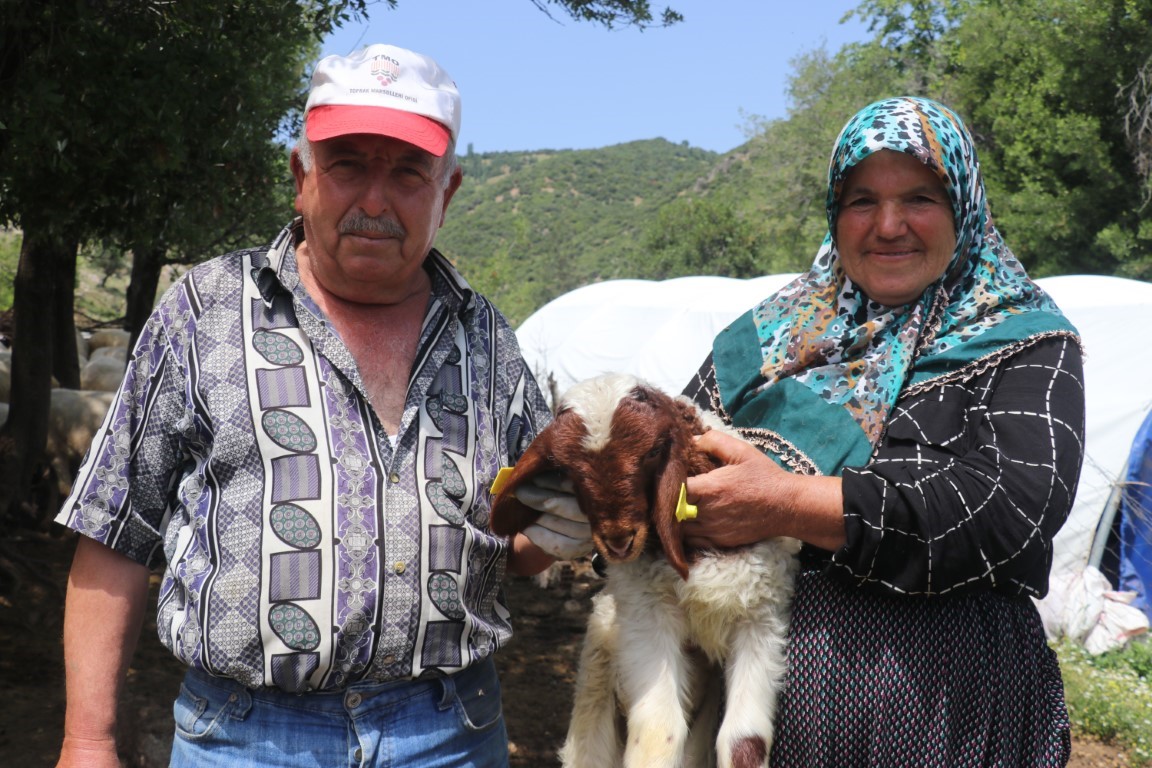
(146, 266)
(24, 436)
(65, 361)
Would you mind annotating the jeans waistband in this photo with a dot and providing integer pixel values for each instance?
(354, 695)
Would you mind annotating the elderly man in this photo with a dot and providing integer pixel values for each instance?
(304, 441)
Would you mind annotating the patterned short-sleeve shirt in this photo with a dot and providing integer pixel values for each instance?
(300, 548)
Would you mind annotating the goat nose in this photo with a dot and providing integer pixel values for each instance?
(620, 546)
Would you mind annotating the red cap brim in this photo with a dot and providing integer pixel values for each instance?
(330, 120)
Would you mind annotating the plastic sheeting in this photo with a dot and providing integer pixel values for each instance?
(662, 331)
(1136, 522)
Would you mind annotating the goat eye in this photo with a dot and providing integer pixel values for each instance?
(655, 452)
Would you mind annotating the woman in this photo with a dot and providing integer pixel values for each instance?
(919, 405)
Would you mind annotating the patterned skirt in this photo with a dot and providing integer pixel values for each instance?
(878, 680)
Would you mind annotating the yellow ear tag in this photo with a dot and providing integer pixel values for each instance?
(684, 510)
(501, 478)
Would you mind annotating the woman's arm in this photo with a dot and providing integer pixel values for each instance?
(967, 491)
(750, 499)
(973, 481)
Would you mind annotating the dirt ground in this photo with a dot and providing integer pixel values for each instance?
(537, 668)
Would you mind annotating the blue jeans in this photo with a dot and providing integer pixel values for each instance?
(452, 721)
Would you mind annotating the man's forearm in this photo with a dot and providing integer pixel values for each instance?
(107, 596)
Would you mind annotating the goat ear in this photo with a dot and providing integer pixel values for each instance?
(663, 512)
(689, 415)
(509, 515)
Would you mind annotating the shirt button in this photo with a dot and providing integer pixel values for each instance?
(398, 568)
(394, 477)
(389, 659)
(352, 700)
(359, 755)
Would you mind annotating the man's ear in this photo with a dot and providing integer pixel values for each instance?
(454, 182)
(298, 175)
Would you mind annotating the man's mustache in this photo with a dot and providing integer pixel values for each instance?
(359, 222)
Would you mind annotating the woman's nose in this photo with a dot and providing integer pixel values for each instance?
(890, 221)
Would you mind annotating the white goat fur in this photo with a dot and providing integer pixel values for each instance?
(655, 643)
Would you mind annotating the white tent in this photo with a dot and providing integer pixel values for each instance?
(662, 331)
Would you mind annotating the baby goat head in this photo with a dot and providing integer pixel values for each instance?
(627, 448)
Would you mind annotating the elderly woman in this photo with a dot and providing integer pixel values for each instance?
(919, 409)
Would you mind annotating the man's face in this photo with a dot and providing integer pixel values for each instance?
(371, 206)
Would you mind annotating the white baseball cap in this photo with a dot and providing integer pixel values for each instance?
(385, 90)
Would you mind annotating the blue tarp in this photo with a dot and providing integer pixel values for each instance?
(1136, 521)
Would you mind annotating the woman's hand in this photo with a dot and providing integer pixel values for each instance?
(751, 498)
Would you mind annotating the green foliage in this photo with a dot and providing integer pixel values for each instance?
(9, 260)
(526, 227)
(1110, 696)
(1040, 82)
(702, 236)
(637, 13)
(1135, 657)
(912, 34)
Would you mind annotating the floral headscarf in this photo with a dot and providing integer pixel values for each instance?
(816, 368)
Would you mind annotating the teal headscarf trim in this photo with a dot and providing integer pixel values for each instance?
(815, 369)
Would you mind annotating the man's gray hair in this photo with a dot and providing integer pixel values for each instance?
(303, 151)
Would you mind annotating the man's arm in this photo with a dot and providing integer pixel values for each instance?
(525, 558)
(107, 595)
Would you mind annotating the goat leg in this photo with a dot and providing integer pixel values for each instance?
(655, 678)
(754, 675)
(593, 735)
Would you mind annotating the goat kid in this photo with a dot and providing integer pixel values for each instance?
(667, 619)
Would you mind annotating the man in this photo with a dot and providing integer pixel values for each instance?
(304, 440)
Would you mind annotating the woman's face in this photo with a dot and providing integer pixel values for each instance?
(894, 227)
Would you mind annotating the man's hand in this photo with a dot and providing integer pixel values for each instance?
(562, 529)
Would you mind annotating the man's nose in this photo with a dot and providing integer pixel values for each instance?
(375, 196)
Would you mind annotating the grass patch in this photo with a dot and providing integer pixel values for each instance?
(1110, 696)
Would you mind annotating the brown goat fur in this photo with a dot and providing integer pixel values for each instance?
(627, 485)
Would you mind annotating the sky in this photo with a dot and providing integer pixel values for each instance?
(531, 82)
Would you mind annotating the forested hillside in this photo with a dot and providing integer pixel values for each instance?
(528, 226)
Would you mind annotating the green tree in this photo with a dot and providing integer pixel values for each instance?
(1044, 84)
(637, 13)
(702, 236)
(117, 117)
(148, 124)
